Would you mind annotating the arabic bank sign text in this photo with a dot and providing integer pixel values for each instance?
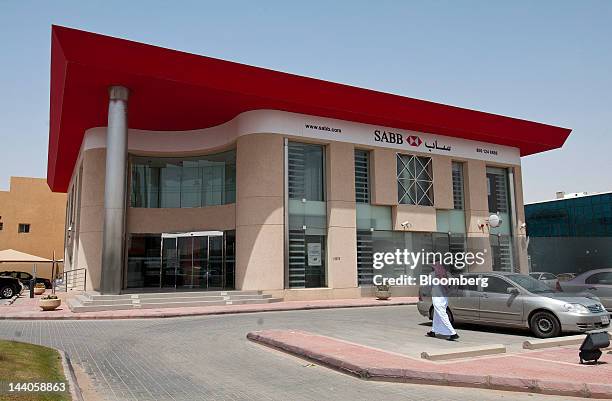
(321, 128)
(397, 138)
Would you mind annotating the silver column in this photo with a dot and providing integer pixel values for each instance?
(115, 191)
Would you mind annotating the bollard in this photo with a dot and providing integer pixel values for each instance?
(32, 288)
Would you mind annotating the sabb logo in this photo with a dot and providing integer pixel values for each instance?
(388, 137)
(396, 138)
(414, 140)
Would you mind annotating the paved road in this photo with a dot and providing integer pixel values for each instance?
(209, 358)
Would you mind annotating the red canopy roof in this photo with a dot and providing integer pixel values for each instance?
(172, 90)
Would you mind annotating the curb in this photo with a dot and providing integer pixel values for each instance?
(507, 383)
(556, 342)
(75, 390)
(203, 313)
(465, 352)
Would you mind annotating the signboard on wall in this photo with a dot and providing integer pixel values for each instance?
(318, 128)
(271, 121)
(314, 254)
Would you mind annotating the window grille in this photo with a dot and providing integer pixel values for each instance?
(458, 186)
(414, 180)
(362, 176)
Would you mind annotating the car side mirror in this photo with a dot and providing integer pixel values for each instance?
(512, 291)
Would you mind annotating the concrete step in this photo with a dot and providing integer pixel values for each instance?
(88, 301)
(76, 306)
(181, 294)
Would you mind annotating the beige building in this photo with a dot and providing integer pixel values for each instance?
(210, 175)
(32, 221)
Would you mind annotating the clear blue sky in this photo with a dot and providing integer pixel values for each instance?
(548, 61)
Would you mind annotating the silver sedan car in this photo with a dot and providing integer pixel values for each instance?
(597, 282)
(517, 300)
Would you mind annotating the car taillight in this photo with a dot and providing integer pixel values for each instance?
(420, 296)
(559, 287)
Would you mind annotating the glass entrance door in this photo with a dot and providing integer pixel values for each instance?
(169, 262)
(215, 273)
(192, 260)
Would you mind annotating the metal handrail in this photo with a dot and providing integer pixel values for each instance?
(74, 277)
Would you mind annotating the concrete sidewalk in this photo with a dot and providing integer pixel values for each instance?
(552, 371)
(27, 309)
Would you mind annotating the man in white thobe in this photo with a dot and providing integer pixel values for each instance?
(439, 297)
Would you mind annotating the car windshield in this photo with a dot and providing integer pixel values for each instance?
(529, 283)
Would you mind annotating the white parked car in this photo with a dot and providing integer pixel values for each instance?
(597, 282)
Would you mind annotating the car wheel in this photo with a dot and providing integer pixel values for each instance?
(7, 291)
(544, 325)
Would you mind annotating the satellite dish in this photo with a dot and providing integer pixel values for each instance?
(494, 221)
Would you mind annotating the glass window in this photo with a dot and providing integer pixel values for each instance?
(182, 260)
(306, 260)
(191, 176)
(307, 215)
(529, 283)
(184, 182)
(450, 221)
(365, 268)
(600, 278)
(144, 260)
(373, 216)
(468, 287)
(170, 188)
(145, 185)
(414, 180)
(458, 191)
(230, 259)
(23, 228)
(496, 285)
(497, 190)
(502, 252)
(306, 174)
(362, 176)
(372, 242)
